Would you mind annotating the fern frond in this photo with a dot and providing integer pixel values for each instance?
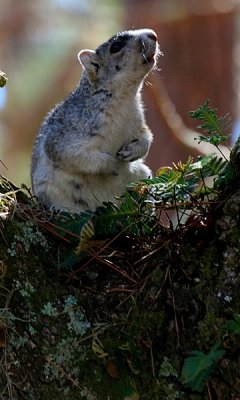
(213, 166)
(180, 182)
(69, 225)
(211, 122)
(198, 367)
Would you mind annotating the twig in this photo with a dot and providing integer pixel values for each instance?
(120, 290)
(102, 249)
(3, 165)
(153, 252)
(209, 392)
(164, 281)
(114, 267)
(62, 371)
(176, 208)
(174, 309)
(151, 356)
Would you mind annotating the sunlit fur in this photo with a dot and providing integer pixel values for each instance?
(91, 145)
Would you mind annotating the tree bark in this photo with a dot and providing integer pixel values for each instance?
(118, 321)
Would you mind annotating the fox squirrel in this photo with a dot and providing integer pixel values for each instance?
(93, 143)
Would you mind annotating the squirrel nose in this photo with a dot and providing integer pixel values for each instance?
(152, 35)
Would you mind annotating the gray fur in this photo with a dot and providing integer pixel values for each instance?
(93, 143)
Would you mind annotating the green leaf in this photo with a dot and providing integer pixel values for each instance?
(234, 325)
(198, 367)
(69, 225)
(213, 125)
(211, 122)
(213, 165)
(178, 184)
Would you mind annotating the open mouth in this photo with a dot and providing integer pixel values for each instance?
(147, 52)
(148, 59)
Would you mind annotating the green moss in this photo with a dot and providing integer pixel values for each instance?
(89, 331)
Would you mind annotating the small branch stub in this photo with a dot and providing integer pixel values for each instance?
(3, 79)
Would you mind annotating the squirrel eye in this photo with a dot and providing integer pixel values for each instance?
(117, 46)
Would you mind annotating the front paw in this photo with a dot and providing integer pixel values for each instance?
(128, 151)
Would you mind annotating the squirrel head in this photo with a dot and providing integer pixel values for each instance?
(124, 60)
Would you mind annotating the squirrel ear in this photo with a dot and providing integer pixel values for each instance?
(88, 59)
